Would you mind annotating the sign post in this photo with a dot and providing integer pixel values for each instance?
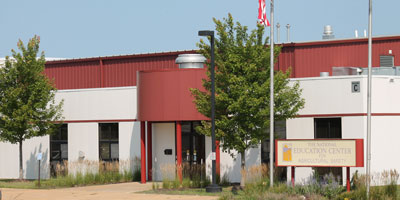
(320, 153)
(39, 158)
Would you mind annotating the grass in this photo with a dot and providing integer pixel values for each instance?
(12, 183)
(86, 173)
(189, 191)
(317, 188)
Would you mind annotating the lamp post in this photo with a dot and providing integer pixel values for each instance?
(369, 94)
(213, 187)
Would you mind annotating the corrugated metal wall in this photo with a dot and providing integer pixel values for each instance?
(74, 75)
(306, 60)
(117, 71)
(309, 59)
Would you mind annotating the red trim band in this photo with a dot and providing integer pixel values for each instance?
(98, 120)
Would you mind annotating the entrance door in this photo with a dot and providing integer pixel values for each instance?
(163, 151)
(193, 144)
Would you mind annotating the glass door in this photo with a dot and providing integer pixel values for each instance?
(193, 144)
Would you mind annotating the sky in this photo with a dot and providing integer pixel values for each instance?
(92, 28)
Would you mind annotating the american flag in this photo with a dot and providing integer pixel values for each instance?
(262, 13)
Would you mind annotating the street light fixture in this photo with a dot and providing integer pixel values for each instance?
(213, 187)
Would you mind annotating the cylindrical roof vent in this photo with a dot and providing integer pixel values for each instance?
(324, 74)
(186, 61)
(328, 33)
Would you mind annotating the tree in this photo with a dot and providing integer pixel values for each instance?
(242, 88)
(27, 106)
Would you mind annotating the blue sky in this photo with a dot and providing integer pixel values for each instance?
(91, 28)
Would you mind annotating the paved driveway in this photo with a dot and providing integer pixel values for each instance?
(109, 192)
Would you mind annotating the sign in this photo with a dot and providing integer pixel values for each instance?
(320, 153)
(213, 156)
(39, 156)
(355, 87)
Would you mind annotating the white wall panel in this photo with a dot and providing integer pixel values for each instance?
(385, 146)
(9, 159)
(129, 144)
(99, 103)
(332, 95)
(31, 149)
(230, 166)
(385, 94)
(83, 140)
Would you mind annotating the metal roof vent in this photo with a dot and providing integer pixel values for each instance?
(187, 61)
(324, 74)
(328, 33)
(386, 61)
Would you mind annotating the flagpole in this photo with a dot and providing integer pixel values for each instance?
(271, 103)
(369, 97)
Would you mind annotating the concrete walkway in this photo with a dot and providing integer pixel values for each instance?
(109, 192)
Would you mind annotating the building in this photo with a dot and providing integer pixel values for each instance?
(138, 107)
(336, 107)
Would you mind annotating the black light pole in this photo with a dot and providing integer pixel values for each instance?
(213, 187)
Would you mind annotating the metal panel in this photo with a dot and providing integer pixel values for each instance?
(306, 59)
(74, 75)
(386, 61)
(122, 72)
(115, 71)
(314, 57)
(164, 95)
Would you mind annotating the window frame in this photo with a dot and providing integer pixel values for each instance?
(108, 140)
(330, 134)
(59, 141)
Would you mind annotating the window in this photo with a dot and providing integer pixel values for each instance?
(328, 128)
(108, 142)
(59, 144)
(58, 150)
(193, 143)
(279, 133)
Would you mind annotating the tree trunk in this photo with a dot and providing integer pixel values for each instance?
(243, 169)
(21, 175)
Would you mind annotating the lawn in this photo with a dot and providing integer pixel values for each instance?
(12, 183)
(189, 191)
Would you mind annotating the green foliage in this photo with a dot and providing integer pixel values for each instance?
(328, 186)
(27, 106)
(242, 87)
(193, 177)
(88, 178)
(137, 174)
(224, 181)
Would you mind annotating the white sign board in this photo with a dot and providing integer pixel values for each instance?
(316, 153)
(39, 156)
(213, 156)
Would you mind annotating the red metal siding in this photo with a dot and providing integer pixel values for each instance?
(163, 95)
(123, 72)
(309, 59)
(115, 71)
(74, 75)
(306, 60)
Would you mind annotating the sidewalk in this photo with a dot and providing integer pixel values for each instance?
(120, 191)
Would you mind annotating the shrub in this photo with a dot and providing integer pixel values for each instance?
(89, 173)
(328, 186)
(224, 181)
(193, 176)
